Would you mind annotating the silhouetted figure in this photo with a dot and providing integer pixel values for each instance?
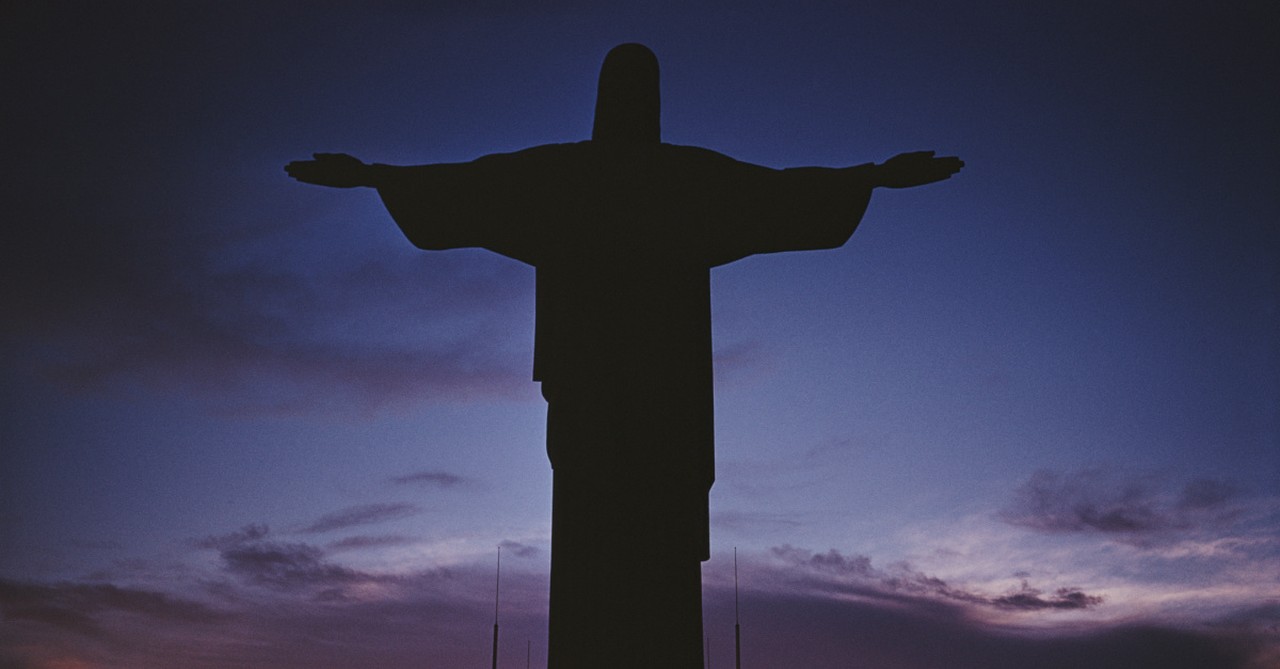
(623, 231)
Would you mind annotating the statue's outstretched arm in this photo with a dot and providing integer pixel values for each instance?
(336, 170)
(486, 203)
(916, 168)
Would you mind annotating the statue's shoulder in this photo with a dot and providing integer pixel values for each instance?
(696, 154)
(539, 151)
(589, 156)
(589, 148)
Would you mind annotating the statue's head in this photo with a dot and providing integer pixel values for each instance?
(627, 109)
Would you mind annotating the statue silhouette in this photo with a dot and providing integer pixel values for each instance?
(623, 231)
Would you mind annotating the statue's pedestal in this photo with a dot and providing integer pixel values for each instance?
(620, 597)
(628, 523)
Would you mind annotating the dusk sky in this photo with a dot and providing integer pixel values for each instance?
(1026, 417)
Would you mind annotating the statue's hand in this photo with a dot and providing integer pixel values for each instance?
(916, 169)
(330, 169)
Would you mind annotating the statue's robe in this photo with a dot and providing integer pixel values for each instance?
(623, 237)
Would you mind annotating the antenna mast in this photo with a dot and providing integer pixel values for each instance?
(496, 588)
(737, 628)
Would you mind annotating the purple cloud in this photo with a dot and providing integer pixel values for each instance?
(798, 608)
(1029, 599)
(361, 542)
(293, 566)
(77, 607)
(518, 549)
(1093, 500)
(366, 514)
(861, 632)
(831, 561)
(287, 566)
(429, 478)
(1206, 494)
(247, 554)
(741, 363)
(243, 535)
(835, 572)
(404, 620)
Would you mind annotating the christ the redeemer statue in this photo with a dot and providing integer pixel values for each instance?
(623, 231)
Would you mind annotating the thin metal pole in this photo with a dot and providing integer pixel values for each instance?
(737, 628)
(528, 653)
(496, 589)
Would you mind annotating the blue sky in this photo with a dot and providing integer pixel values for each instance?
(1025, 416)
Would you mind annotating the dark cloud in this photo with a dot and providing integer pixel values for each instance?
(855, 575)
(56, 616)
(801, 608)
(245, 534)
(789, 630)
(1259, 625)
(366, 514)
(399, 621)
(358, 542)
(742, 363)
(1094, 500)
(429, 478)
(1206, 494)
(1029, 599)
(253, 338)
(77, 607)
(850, 613)
(518, 549)
(288, 566)
(831, 561)
(247, 555)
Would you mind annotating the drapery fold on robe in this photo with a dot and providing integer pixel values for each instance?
(623, 238)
